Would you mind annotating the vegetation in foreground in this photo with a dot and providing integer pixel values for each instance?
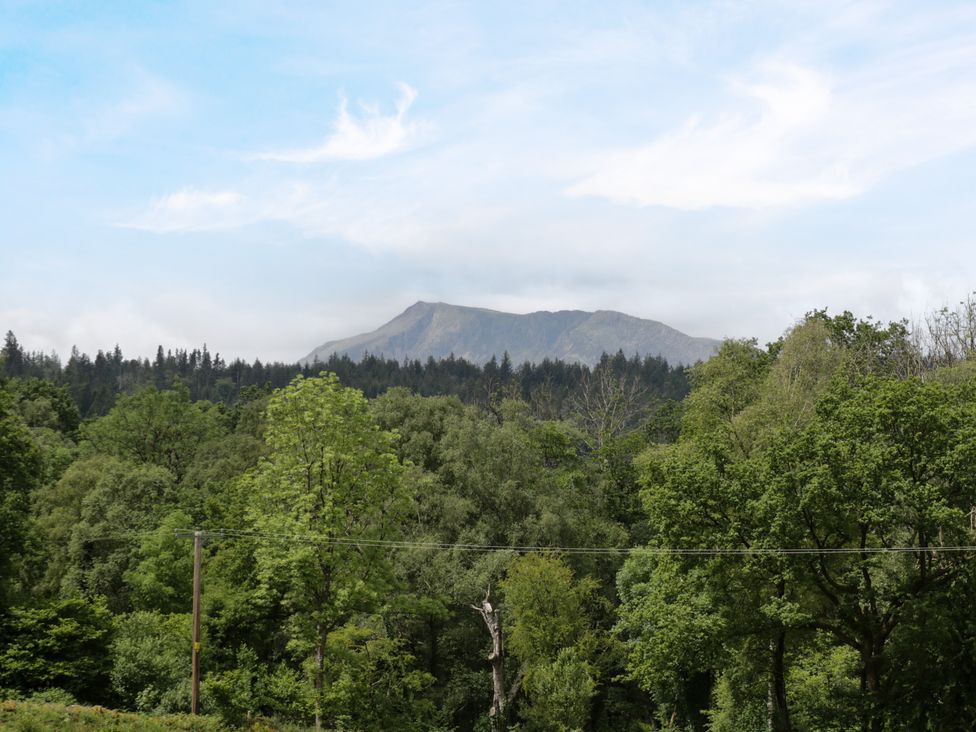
(21, 716)
(375, 550)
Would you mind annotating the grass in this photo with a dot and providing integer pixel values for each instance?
(20, 716)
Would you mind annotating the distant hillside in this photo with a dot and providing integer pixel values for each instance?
(476, 334)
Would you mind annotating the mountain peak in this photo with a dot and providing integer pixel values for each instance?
(439, 329)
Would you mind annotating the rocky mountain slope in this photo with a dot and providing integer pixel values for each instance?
(476, 334)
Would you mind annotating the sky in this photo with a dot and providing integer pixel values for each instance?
(264, 177)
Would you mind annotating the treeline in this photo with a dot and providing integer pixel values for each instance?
(361, 634)
(552, 386)
(787, 548)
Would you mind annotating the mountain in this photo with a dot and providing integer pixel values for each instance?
(476, 334)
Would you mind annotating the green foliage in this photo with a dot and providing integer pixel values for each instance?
(672, 624)
(663, 424)
(560, 691)
(63, 645)
(552, 387)
(372, 683)
(151, 662)
(12, 355)
(42, 404)
(737, 701)
(204, 491)
(160, 576)
(815, 445)
(824, 692)
(516, 481)
(548, 609)
(421, 422)
(88, 517)
(824, 686)
(521, 482)
(331, 473)
(237, 612)
(20, 466)
(825, 440)
(250, 689)
(53, 696)
(163, 428)
(550, 634)
(932, 657)
(35, 716)
(872, 347)
(722, 388)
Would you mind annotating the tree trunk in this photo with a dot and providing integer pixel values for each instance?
(319, 673)
(871, 675)
(492, 618)
(778, 709)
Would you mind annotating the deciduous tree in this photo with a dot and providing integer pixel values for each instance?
(330, 484)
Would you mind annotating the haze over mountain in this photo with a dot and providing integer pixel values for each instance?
(476, 334)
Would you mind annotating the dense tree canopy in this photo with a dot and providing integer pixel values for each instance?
(805, 448)
(778, 538)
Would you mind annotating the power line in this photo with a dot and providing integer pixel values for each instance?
(116, 537)
(589, 550)
(404, 544)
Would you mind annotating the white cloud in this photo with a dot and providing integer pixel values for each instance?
(738, 160)
(190, 200)
(371, 136)
(173, 320)
(378, 216)
(796, 135)
(91, 328)
(193, 210)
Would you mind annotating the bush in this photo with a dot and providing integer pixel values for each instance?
(151, 662)
(35, 717)
(63, 645)
(250, 689)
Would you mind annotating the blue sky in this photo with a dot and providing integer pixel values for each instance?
(264, 177)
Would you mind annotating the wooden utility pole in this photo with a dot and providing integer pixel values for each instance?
(195, 677)
(198, 537)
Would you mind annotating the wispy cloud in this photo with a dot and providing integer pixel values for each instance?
(378, 216)
(794, 134)
(737, 160)
(192, 210)
(370, 136)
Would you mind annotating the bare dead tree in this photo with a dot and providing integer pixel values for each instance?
(492, 618)
(950, 334)
(544, 402)
(607, 403)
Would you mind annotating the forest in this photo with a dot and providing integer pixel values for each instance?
(780, 538)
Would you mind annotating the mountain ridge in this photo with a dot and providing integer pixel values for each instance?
(476, 334)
